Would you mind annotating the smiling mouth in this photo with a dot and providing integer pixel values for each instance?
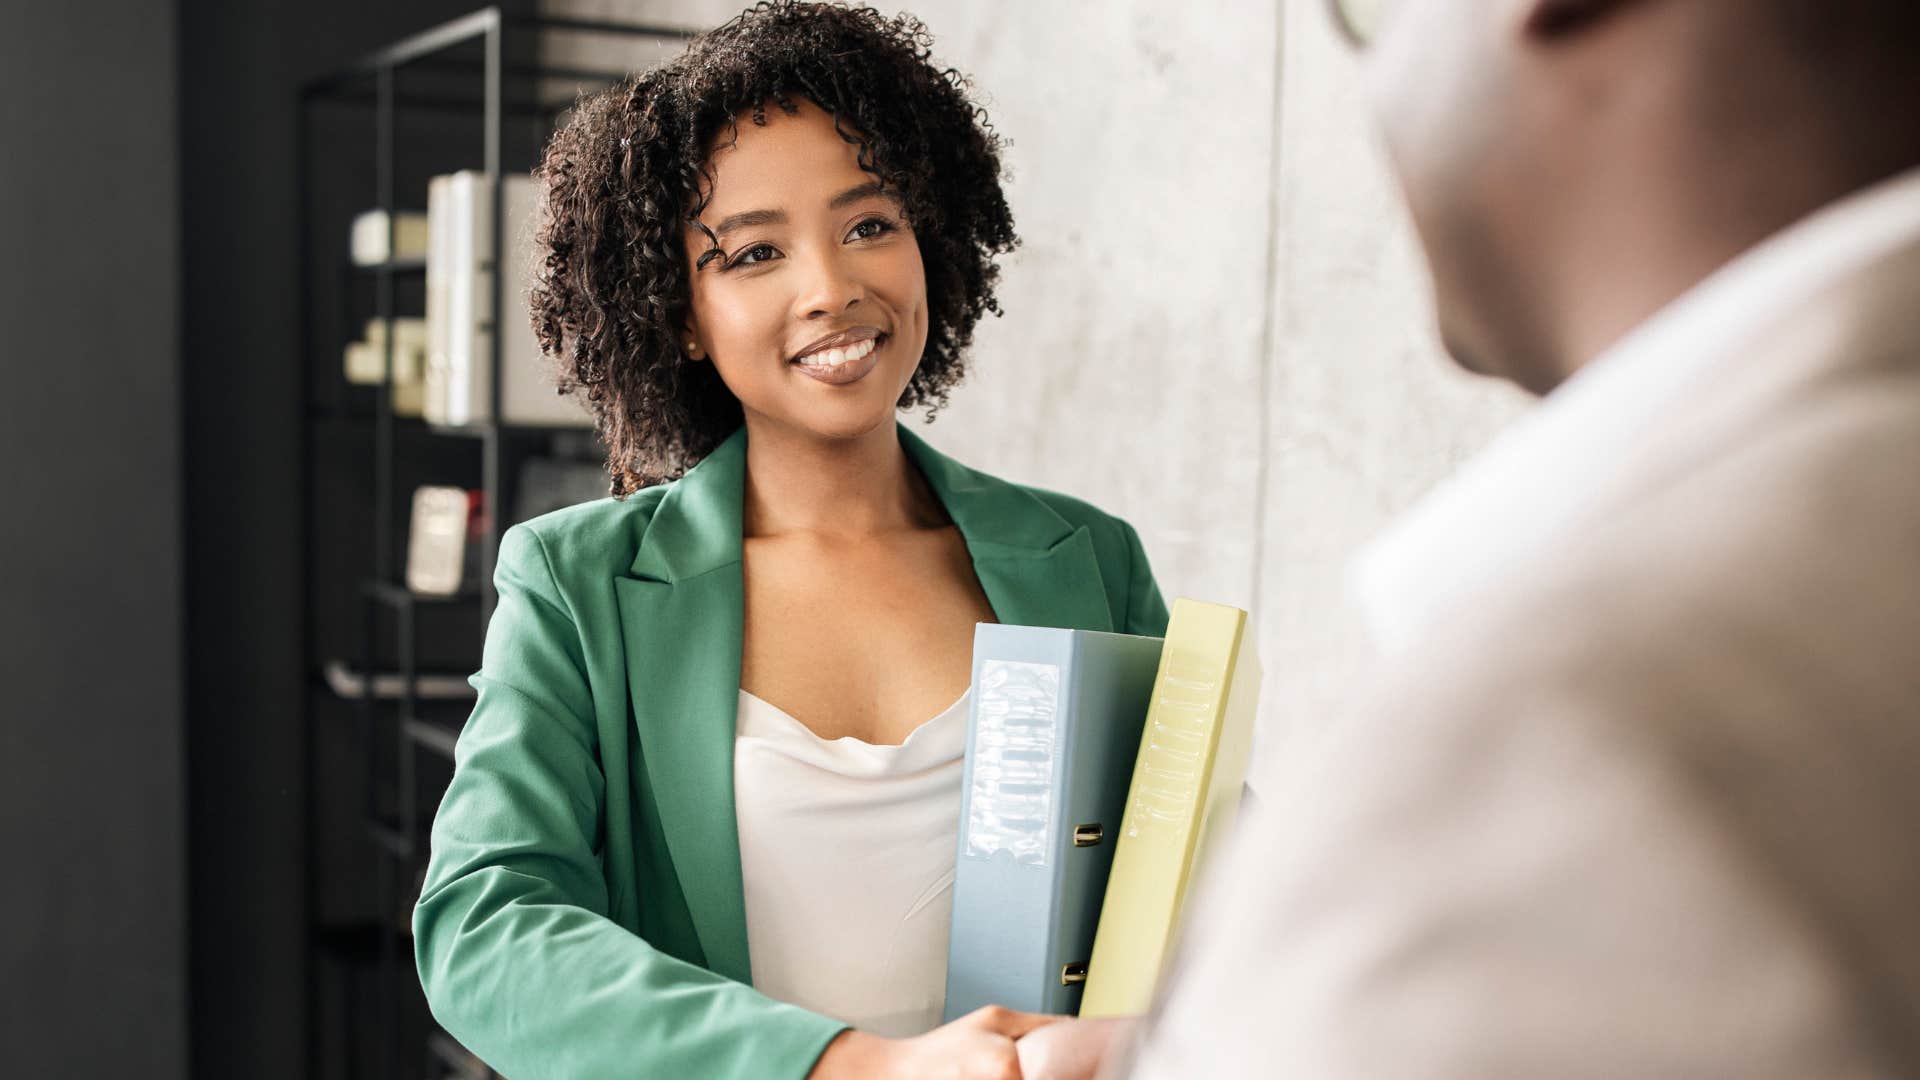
(826, 358)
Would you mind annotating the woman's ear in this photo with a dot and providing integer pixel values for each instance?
(690, 343)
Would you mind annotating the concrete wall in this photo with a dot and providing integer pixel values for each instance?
(1365, 411)
(1218, 326)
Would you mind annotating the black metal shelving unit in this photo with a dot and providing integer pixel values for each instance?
(486, 66)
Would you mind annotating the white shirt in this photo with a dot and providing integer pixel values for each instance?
(1545, 474)
(1620, 868)
(847, 853)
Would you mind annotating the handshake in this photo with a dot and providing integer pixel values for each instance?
(987, 1044)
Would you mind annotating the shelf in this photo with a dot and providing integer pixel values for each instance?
(439, 738)
(415, 426)
(361, 458)
(396, 595)
(409, 264)
(481, 429)
(349, 684)
(470, 28)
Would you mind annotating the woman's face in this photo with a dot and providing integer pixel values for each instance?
(815, 311)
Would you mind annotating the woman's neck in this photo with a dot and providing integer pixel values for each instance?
(848, 488)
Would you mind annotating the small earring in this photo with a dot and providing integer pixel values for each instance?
(693, 350)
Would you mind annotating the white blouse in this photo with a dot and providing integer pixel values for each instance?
(847, 852)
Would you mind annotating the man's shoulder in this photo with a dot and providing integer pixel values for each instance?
(1800, 525)
(1748, 634)
(1749, 570)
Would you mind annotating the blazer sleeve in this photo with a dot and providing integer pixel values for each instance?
(1146, 612)
(515, 950)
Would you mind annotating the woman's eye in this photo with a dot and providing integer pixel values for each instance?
(870, 228)
(758, 253)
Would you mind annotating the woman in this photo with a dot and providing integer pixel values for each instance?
(701, 823)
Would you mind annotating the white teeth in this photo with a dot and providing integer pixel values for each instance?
(840, 356)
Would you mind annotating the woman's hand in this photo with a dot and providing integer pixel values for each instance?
(1071, 1049)
(978, 1046)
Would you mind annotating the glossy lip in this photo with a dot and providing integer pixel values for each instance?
(841, 340)
(847, 371)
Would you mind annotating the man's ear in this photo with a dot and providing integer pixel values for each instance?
(1551, 21)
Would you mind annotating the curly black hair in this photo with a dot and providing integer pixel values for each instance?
(624, 178)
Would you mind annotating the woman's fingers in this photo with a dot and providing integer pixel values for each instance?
(1009, 1022)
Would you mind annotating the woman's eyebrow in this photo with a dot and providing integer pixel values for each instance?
(747, 219)
(855, 194)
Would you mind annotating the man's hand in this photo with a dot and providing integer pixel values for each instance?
(1071, 1049)
(979, 1046)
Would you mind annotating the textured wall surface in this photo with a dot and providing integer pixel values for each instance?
(1364, 411)
(1217, 326)
(94, 966)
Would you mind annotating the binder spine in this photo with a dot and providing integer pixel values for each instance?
(1005, 876)
(1167, 803)
(1113, 683)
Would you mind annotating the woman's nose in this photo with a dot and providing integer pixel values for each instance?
(829, 288)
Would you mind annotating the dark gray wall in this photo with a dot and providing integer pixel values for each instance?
(243, 534)
(93, 913)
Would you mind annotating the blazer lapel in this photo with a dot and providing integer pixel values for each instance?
(1037, 568)
(1058, 587)
(681, 614)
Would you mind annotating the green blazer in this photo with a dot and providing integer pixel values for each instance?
(582, 914)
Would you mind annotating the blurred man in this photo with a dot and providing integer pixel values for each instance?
(1640, 794)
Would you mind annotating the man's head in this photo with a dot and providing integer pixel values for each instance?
(1574, 165)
